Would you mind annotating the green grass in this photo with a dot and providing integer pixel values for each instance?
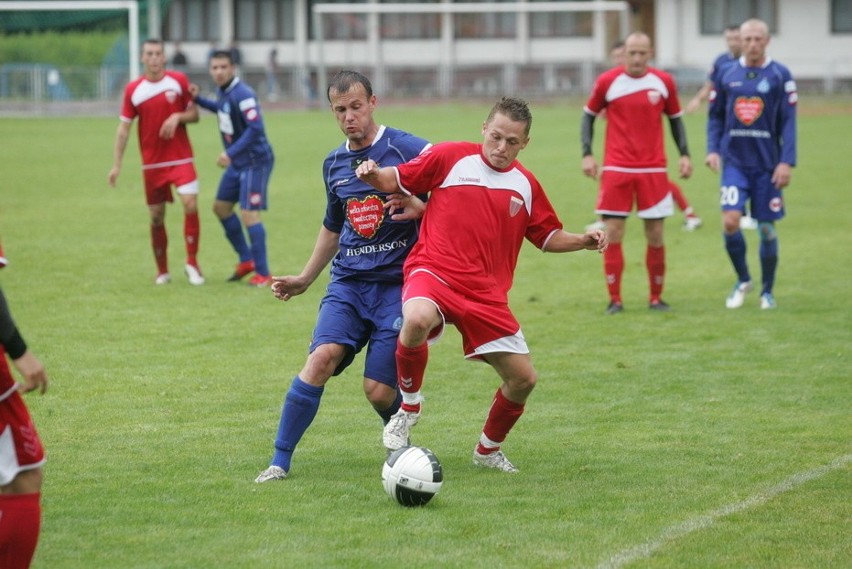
(164, 401)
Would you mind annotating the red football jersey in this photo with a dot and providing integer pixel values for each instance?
(153, 103)
(477, 218)
(634, 107)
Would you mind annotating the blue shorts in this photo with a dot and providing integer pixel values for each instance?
(246, 186)
(754, 186)
(357, 314)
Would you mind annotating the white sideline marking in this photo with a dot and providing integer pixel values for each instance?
(673, 533)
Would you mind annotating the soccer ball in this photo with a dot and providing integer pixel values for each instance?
(412, 475)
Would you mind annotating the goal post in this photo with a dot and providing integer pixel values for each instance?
(131, 6)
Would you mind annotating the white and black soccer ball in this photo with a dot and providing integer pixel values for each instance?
(412, 475)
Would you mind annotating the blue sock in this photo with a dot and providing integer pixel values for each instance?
(768, 255)
(300, 408)
(736, 246)
(386, 414)
(257, 235)
(234, 233)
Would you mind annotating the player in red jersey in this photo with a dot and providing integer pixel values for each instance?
(162, 102)
(634, 169)
(482, 204)
(21, 451)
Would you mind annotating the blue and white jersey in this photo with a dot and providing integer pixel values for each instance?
(373, 247)
(240, 124)
(719, 65)
(752, 116)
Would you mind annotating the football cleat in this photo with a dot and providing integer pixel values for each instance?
(737, 296)
(193, 273)
(496, 460)
(271, 473)
(659, 305)
(260, 281)
(614, 308)
(692, 222)
(767, 301)
(242, 270)
(163, 278)
(396, 433)
(748, 222)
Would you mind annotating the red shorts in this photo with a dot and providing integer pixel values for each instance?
(648, 190)
(159, 182)
(485, 328)
(20, 447)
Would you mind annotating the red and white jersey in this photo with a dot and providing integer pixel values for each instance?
(476, 220)
(153, 102)
(634, 109)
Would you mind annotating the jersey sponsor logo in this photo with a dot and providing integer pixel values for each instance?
(377, 248)
(748, 109)
(366, 215)
(654, 97)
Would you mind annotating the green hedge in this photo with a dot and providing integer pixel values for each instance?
(60, 49)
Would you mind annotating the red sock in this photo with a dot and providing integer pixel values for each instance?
(191, 233)
(679, 198)
(20, 520)
(410, 368)
(160, 244)
(501, 418)
(655, 261)
(613, 267)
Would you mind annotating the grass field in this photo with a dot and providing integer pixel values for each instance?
(703, 437)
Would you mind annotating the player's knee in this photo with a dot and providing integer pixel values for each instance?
(767, 231)
(26, 482)
(379, 395)
(321, 364)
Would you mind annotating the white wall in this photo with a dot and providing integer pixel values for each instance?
(803, 41)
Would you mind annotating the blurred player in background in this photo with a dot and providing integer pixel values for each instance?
(163, 103)
(21, 451)
(636, 96)
(483, 203)
(751, 137)
(691, 221)
(248, 162)
(734, 43)
(366, 247)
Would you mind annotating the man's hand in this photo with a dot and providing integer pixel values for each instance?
(169, 127)
(595, 240)
(685, 167)
(590, 167)
(112, 177)
(713, 161)
(32, 370)
(411, 207)
(782, 174)
(223, 161)
(367, 171)
(286, 287)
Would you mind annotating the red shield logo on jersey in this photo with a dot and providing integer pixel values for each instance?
(171, 96)
(654, 97)
(366, 215)
(748, 109)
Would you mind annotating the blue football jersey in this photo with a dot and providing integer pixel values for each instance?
(240, 124)
(719, 65)
(373, 247)
(752, 116)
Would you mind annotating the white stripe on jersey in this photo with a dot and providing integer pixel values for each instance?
(472, 171)
(625, 85)
(147, 90)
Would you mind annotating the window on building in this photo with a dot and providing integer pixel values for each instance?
(192, 20)
(485, 25)
(339, 26)
(265, 20)
(841, 16)
(560, 24)
(410, 26)
(716, 15)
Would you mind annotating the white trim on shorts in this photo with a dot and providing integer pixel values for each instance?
(514, 344)
(9, 465)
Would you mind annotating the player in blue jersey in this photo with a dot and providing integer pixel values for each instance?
(732, 40)
(248, 160)
(751, 136)
(366, 247)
